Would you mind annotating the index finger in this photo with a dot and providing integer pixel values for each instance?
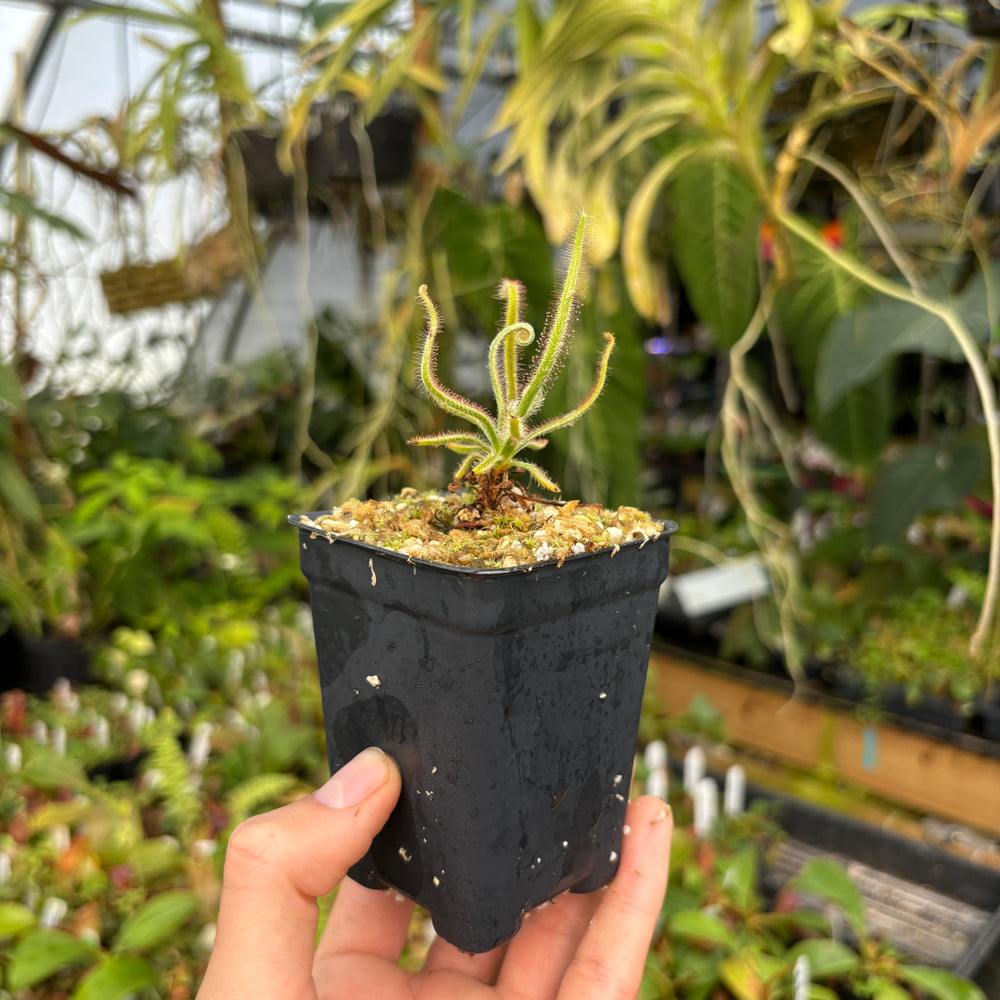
(609, 962)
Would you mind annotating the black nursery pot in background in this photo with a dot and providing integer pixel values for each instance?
(510, 699)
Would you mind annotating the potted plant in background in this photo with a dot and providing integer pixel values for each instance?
(495, 643)
(824, 260)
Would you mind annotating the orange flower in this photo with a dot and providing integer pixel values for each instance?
(767, 242)
(833, 233)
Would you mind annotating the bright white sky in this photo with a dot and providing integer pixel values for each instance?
(89, 67)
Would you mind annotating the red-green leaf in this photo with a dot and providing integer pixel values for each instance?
(119, 976)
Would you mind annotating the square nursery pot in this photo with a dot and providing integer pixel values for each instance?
(510, 699)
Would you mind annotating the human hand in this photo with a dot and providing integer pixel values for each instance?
(578, 947)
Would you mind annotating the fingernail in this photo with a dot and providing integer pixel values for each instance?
(356, 780)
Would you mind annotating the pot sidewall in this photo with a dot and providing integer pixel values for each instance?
(509, 699)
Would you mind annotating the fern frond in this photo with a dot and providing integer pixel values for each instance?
(177, 788)
(260, 790)
(227, 531)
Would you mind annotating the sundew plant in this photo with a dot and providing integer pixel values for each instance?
(495, 446)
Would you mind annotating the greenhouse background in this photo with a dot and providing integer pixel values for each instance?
(214, 222)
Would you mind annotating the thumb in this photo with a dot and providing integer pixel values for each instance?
(277, 864)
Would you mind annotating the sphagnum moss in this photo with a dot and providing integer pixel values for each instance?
(423, 526)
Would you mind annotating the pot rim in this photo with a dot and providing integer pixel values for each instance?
(306, 523)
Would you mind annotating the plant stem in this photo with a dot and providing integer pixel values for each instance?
(771, 535)
(980, 374)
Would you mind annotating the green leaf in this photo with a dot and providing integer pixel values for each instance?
(10, 389)
(389, 78)
(43, 952)
(119, 976)
(825, 878)
(151, 858)
(14, 918)
(938, 475)
(742, 978)
(528, 32)
(886, 989)
(857, 426)
(49, 771)
(156, 921)
(640, 276)
(22, 206)
(860, 343)
(794, 35)
(705, 927)
(827, 958)
(818, 992)
(940, 984)
(714, 237)
(741, 879)
(816, 293)
(878, 13)
(16, 491)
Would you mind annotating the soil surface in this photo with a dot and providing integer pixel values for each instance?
(454, 530)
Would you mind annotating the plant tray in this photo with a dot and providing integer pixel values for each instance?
(937, 908)
(912, 764)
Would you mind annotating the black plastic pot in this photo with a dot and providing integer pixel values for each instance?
(982, 18)
(961, 880)
(332, 153)
(35, 663)
(988, 711)
(510, 699)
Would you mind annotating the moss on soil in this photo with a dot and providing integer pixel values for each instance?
(424, 526)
